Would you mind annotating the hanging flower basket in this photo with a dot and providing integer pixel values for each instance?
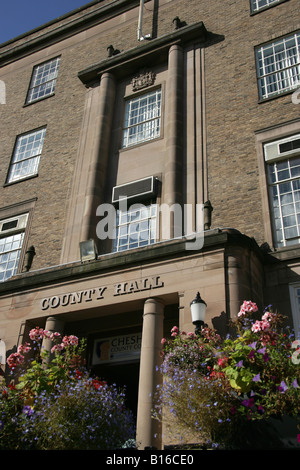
(242, 391)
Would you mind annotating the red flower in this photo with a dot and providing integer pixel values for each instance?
(98, 383)
(222, 362)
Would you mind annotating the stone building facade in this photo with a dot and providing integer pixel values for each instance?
(180, 104)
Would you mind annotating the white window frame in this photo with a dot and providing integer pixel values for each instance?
(43, 80)
(258, 5)
(142, 121)
(12, 232)
(278, 66)
(136, 227)
(283, 178)
(294, 289)
(26, 156)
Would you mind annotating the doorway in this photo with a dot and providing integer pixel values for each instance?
(124, 375)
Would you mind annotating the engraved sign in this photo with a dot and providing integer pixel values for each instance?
(98, 293)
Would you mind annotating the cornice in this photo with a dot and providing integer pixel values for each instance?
(13, 50)
(215, 239)
(153, 50)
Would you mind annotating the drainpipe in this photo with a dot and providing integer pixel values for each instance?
(140, 35)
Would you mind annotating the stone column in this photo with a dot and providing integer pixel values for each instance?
(91, 166)
(238, 279)
(99, 155)
(148, 429)
(173, 178)
(53, 325)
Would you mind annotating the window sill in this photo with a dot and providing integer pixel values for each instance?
(38, 100)
(140, 144)
(278, 95)
(20, 180)
(287, 252)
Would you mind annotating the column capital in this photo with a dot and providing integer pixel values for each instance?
(157, 300)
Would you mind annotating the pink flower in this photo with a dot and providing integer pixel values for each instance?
(73, 340)
(36, 334)
(55, 335)
(57, 348)
(70, 340)
(23, 348)
(163, 341)
(174, 331)
(267, 316)
(256, 326)
(262, 325)
(247, 307)
(15, 359)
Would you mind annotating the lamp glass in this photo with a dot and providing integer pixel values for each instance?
(88, 250)
(2, 352)
(198, 310)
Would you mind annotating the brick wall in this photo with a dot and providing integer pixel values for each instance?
(232, 111)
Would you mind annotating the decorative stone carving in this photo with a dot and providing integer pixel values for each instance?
(143, 80)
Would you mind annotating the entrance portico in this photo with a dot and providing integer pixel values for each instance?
(138, 294)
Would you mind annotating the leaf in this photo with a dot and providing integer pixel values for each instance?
(20, 385)
(234, 384)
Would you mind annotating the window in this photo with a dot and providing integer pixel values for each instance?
(26, 156)
(11, 240)
(257, 5)
(136, 227)
(142, 118)
(278, 66)
(283, 170)
(43, 80)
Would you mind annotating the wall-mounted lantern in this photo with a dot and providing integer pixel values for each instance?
(198, 310)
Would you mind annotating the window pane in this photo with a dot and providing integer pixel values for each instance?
(278, 66)
(26, 156)
(43, 80)
(284, 191)
(10, 248)
(257, 5)
(142, 118)
(137, 229)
